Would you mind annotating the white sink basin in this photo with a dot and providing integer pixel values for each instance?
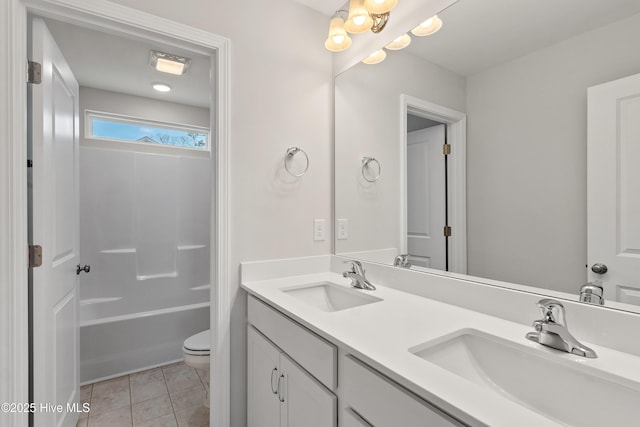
(328, 296)
(556, 387)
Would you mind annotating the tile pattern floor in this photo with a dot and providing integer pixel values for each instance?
(170, 396)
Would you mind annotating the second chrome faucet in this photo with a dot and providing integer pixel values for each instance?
(552, 330)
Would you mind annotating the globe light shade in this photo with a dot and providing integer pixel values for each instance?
(378, 7)
(338, 39)
(428, 27)
(359, 20)
(400, 42)
(376, 57)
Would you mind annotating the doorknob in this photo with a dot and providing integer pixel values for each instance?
(86, 269)
(599, 268)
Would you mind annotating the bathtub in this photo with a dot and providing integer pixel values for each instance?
(118, 345)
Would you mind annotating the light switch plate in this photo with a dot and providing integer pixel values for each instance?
(342, 229)
(319, 230)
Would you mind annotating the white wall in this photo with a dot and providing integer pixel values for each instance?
(527, 133)
(367, 121)
(281, 95)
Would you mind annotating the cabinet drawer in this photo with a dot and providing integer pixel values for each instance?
(383, 403)
(312, 352)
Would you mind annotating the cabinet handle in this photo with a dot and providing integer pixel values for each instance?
(273, 389)
(280, 398)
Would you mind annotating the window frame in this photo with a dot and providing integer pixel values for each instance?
(90, 115)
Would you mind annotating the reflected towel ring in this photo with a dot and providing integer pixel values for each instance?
(292, 151)
(365, 165)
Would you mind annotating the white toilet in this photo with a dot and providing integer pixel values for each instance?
(196, 350)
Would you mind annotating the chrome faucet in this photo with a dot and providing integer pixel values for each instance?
(356, 274)
(402, 261)
(552, 330)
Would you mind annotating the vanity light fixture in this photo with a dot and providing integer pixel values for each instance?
(375, 58)
(400, 42)
(359, 20)
(169, 63)
(338, 40)
(363, 15)
(161, 87)
(428, 27)
(378, 7)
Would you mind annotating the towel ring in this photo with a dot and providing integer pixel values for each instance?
(292, 151)
(365, 165)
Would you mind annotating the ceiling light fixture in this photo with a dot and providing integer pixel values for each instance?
(400, 42)
(375, 58)
(359, 20)
(169, 63)
(428, 27)
(161, 87)
(363, 15)
(379, 7)
(338, 40)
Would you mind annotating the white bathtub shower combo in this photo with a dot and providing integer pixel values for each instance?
(144, 227)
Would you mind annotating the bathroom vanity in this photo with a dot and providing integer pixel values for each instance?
(322, 353)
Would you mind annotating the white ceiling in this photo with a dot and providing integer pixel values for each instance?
(327, 7)
(478, 34)
(119, 64)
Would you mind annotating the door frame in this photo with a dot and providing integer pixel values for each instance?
(14, 347)
(456, 136)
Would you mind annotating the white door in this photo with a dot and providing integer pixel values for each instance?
(426, 219)
(263, 372)
(54, 209)
(613, 182)
(305, 402)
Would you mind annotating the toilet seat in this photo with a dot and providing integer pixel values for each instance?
(198, 344)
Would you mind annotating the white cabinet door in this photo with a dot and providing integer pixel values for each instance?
(55, 226)
(305, 402)
(613, 155)
(263, 406)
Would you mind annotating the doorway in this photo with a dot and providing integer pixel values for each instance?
(433, 150)
(94, 13)
(427, 222)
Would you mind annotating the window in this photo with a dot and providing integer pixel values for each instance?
(112, 127)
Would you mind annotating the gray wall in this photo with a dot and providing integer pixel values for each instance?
(367, 122)
(526, 164)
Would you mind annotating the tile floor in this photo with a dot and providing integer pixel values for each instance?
(170, 396)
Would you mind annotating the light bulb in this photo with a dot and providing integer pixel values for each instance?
(337, 40)
(161, 87)
(379, 7)
(359, 20)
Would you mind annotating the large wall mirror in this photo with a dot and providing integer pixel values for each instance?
(538, 105)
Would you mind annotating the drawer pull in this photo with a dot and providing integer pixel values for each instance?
(280, 397)
(274, 390)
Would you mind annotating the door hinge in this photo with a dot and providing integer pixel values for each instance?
(34, 73)
(447, 231)
(446, 149)
(35, 256)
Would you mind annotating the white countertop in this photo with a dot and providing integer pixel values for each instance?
(381, 333)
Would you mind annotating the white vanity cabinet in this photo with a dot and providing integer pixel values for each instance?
(282, 389)
(370, 399)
